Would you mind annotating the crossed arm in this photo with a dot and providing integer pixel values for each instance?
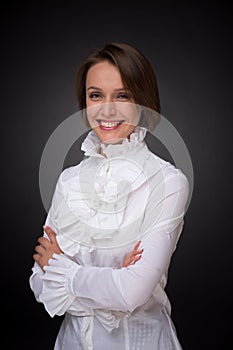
(48, 246)
(121, 289)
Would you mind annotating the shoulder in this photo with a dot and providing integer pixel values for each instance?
(171, 175)
(69, 174)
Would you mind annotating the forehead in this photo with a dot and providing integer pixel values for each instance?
(104, 75)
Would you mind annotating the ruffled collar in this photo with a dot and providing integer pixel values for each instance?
(91, 145)
(95, 200)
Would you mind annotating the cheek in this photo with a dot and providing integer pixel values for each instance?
(88, 102)
(131, 114)
(92, 110)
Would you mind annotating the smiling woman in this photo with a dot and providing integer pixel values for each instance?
(111, 119)
(115, 218)
(118, 73)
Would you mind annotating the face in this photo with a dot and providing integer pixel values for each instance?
(111, 110)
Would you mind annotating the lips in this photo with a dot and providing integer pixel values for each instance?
(109, 125)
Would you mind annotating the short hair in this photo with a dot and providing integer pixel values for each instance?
(137, 75)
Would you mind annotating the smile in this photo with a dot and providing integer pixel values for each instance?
(109, 125)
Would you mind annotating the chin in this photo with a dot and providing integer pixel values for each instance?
(113, 137)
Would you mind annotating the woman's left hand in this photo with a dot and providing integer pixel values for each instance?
(46, 248)
(133, 256)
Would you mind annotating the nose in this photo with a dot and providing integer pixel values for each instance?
(108, 109)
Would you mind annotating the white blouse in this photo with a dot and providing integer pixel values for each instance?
(100, 209)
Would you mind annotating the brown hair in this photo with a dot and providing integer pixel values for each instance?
(137, 75)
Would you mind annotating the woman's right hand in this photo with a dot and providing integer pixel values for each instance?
(46, 248)
(133, 256)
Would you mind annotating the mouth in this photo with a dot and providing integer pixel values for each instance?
(109, 125)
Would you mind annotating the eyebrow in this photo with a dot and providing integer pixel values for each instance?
(97, 88)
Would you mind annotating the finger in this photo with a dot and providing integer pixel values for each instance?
(137, 245)
(138, 257)
(130, 256)
(50, 233)
(52, 236)
(40, 261)
(139, 251)
(40, 249)
(44, 242)
(36, 257)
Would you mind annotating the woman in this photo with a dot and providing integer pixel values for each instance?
(115, 218)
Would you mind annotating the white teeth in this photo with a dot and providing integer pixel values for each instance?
(109, 124)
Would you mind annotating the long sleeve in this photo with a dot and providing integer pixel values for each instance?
(36, 280)
(127, 288)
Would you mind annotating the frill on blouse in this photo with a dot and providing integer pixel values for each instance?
(55, 294)
(87, 213)
(92, 144)
(58, 295)
(92, 203)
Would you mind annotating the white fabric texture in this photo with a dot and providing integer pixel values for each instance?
(100, 209)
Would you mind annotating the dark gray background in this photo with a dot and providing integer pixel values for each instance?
(190, 47)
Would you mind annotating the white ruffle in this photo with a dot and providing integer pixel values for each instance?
(92, 144)
(55, 295)
(94, 208)
(58, 295)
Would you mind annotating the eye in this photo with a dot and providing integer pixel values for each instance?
(123, 96)
(95, 96)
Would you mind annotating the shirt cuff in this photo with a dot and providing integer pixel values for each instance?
(57, 294)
